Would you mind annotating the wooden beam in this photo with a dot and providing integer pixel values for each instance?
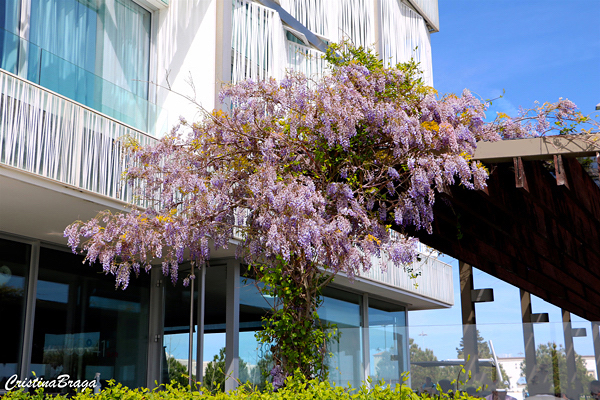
(545, 241)
(538, 148)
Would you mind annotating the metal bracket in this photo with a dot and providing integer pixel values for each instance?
(482, 295)
(520, 177)
(578, 332)
(539, 318)
(559, 168)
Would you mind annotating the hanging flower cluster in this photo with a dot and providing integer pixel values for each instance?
(304, 177)
(314, 172)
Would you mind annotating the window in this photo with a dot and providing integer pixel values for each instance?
(344, 310)
(84, 326)
(96, 52)
(387, 338)
(10, 12)
(14, 267)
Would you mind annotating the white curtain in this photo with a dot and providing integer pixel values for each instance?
(96, 52)
(257, 42)
(66, 29)
(335, 19)
(404, 31)
(126, 46)
(9, 34)
(405, 35)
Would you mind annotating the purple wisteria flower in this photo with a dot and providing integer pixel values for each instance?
(327, 170)
(278, 377)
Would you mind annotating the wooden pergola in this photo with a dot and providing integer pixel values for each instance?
(536, 226)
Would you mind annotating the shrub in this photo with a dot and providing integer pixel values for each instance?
(295, 389)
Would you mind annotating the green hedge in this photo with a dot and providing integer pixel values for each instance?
(294, 390)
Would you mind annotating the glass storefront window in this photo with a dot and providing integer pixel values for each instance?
(256, 360)
(177, 330)
(339, 307)
(344, 310)
(84, 326)
(14, 267)
(387, 341)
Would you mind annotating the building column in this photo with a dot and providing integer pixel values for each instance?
(191, 331)
(30, 301)
(232, 335)
(528, 339)
(468, 318)
(200, 338)
(223, 47)
(573, 389)
(596, 341)
(377, 29)
(365, 337)
(155, 329)
(407, 345)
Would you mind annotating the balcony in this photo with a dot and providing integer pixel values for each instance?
(432, 288)
(52, 136)
(433, 284)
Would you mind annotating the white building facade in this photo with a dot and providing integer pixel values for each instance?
(77, 75)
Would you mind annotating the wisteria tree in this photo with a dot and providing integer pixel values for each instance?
(311, 175)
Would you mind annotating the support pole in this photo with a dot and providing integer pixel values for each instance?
(232, 334)
(191, 336)
(596, 340)
(32, 280)
(573, 387)
(155, 330)
(200, 337)
(468, 318)
(407, 347)
(529, 341)
(365, 337)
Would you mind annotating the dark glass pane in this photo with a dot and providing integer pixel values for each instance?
(83, 325)
(14, 267)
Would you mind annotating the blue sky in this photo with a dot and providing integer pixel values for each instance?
(533, 50)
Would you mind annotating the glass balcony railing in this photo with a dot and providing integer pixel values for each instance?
(69, 80)
(540, 361)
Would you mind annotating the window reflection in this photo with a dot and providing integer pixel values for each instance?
(343, 309)
(84, 326)
(387, 338)
(14, 265)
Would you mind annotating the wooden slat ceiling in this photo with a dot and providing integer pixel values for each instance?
(535, 227)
